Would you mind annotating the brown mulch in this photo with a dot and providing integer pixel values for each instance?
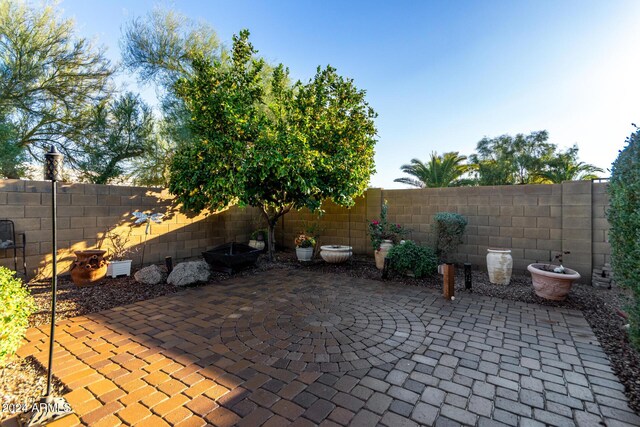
(24, 380)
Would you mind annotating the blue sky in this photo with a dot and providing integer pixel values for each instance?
(440, 74)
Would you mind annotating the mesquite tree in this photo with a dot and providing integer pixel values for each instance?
(49, 78)
(260, 141)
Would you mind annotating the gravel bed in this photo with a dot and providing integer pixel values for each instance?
(24, 380)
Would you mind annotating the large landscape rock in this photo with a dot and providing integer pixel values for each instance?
(187, 273)
(151, 275)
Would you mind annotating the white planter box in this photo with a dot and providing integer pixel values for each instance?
(118, 268)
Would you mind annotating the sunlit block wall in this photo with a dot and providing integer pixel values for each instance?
(86, 212)
(534, 221)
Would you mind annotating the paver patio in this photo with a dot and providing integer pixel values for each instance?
(290, 346)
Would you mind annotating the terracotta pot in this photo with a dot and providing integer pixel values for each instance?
(304, 254)
(499, 266)
(335, 254)
(89, 267)
(551, 285)
(381, 253)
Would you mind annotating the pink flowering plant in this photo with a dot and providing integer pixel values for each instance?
(380, 230)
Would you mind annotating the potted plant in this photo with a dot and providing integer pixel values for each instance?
(384, 235)
(118, 253)
(412, 259)
(552, 281)
(448, 228)
(257, 239)
(304, 247)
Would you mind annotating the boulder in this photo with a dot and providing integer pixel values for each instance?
(187, 273)
(151, 275)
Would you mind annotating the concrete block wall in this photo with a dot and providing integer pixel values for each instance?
(86, 212)
(536, 222)
(600, 233)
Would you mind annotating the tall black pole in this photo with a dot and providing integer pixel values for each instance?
(54, 282)
(50, 408)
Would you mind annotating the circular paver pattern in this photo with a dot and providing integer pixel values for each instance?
(319, 331)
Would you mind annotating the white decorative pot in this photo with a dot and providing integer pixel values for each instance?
(118, 268)
(335, 254)
(257, 244)
(499, 266)
(381, 253)
(304, 254)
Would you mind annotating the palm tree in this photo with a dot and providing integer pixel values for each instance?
(440, 171)
(566, 167)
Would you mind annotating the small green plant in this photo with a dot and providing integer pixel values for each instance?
(16, 305)
(410, 257)
(624, 218)
(382, 230)
(448, 228)
(259, 235)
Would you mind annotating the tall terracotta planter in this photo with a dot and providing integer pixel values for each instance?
(381, 253)
(89, 267)
(550, 285)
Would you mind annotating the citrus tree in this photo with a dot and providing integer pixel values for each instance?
(258, 140)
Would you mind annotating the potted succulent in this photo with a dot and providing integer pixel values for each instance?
(118, 253)
(304, 247)
(552, 281)
(384, 235)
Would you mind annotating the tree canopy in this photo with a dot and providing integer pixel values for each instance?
(564, 166)
(120, 131)
(512, 160)
(49, 79)
(441, 171)
(262, 142)
(161, 48)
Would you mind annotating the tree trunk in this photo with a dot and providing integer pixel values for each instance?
(271, 241)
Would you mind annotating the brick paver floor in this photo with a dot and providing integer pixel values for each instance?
(296, 347)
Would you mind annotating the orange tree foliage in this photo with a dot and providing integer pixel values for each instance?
(260, 141)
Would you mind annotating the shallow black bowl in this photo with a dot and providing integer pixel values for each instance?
(231, 256)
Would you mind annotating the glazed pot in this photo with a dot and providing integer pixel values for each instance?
(381, 253)
(335, 254)
(89, 267)
(499, 266)
(304, 254)
(550, 285)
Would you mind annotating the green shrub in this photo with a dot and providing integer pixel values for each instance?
(259, 235)
(624, 218)
(16, 304)
(448, 228)
(410, 257)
